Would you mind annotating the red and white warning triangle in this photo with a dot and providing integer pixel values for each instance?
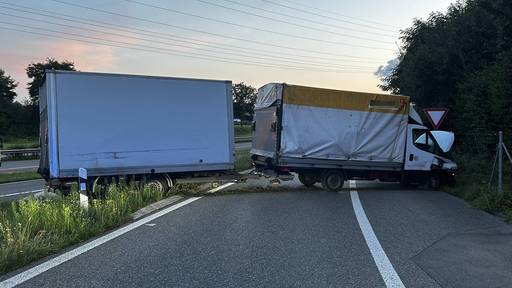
(436, 116)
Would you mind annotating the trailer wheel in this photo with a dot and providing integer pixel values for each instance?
(158, 184)
(307, 180)
(332, 180)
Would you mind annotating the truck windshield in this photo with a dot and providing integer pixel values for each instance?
(424, 141)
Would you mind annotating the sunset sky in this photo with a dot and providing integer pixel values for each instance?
(340, 44)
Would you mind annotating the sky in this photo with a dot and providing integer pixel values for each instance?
(322, 43)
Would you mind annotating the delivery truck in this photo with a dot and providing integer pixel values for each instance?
(330, 136)
(157, 129)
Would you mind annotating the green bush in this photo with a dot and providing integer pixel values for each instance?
(31, 228)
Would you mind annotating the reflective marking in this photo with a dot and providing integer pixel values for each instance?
(388, 273)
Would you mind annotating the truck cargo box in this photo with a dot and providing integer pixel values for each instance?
(115, 124)
(295, 125)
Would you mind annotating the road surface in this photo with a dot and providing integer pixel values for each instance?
(29, 187)
(295, 236)
(17, 166)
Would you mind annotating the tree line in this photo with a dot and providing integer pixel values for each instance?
(461, 60)
(20, 120)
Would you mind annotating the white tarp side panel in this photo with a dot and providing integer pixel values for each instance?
(268, 94)
(326, 133)
(124, 122)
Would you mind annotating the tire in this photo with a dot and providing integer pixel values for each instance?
(307, 180)
(434, 182)
(332, 180)
(158, 184)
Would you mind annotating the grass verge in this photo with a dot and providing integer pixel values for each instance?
(243, 160)
(472, 186)
(31, 228)
(18, 176)
(243, 130)
(21, 143)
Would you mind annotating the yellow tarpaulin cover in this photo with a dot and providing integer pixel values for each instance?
(348, 100)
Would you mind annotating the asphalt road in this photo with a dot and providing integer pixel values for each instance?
(16, 166)
(291, 236)
(11, 191)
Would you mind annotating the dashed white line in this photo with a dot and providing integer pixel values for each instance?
(21, 193)
(18, 168)
(388, 273)
(43, 267)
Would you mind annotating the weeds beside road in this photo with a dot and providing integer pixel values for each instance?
(473, 186)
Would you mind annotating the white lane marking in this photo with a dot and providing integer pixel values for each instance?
(19, 182)
(43, 267)
(17, 168)
(21, 193)
(388, 273)
(220, 187)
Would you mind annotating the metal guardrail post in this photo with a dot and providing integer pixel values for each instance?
(500, 162)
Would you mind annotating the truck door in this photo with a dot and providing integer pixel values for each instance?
(264, 134)
(419, 154)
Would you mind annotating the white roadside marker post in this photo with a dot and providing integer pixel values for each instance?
(82, 187)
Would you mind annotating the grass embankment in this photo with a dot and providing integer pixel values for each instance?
(20, 143)
(243, 130)
(18, 176)
(473, 186)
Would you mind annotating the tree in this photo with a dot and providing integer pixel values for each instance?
(35, 71)
(244, 98)
(7, 86)
(461, 60)
(7, 109)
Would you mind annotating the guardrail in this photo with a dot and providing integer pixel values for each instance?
(34, 153)
(243, 139)
(17, 154)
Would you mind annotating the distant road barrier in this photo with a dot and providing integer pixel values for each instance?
(34, 153)
(18, 154)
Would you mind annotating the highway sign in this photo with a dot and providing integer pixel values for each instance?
(436, 116)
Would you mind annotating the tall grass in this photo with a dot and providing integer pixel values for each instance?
(31, 229)
(18, 176)
(474, 187)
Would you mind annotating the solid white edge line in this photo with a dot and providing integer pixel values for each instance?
(18, 168)
(21, 193)
(19, 182)
(220, 187)
(388, 273)
(43, 267)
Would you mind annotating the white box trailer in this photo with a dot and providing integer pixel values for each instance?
(330, 136)
(160, 128)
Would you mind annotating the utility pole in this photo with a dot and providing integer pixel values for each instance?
(500, 162)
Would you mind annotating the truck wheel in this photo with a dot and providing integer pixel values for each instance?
(332, 180)
(158, 184)
(434, 182)
(307, 180)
